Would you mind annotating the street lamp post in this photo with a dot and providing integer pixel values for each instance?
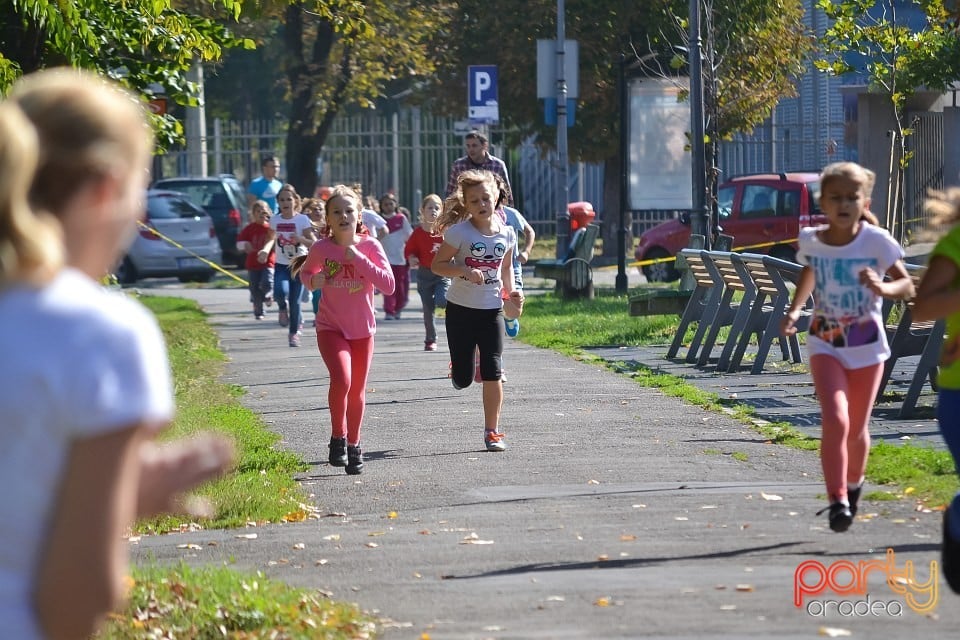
(563, 187)
(698, 217)
(624, 99)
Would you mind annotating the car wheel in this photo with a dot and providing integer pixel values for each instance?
(784, 252)
(126, 272)
(660, 271)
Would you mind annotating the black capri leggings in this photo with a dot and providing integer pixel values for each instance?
(467, 330)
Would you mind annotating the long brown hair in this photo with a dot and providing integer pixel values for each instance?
(454, 210)
(339, 191)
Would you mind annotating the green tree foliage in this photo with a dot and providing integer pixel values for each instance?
(343, 53)
(753, 52)
(492, 32)
(897, 58)
(144, 44)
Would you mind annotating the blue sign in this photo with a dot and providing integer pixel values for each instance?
(482, 105)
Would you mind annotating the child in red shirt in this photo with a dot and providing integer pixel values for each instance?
(255, 240)
(419, 251)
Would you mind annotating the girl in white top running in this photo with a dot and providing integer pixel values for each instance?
(846, 261)
(85, 385)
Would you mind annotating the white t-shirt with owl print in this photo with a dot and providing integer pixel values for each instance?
(482, 252)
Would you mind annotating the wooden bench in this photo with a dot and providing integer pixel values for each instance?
(909, 338)
(573, 274)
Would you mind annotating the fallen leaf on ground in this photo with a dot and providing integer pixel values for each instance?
(299, 545)
(189, 546)
(295, 516)
(744, 587)
(602, 602)
(332, 536)
(627, 537)
(247, 536)
(770, 496)
(834, 632)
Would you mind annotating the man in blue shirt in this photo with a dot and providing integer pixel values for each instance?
(267, 186)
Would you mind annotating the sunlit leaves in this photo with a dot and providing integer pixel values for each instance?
(141, 43)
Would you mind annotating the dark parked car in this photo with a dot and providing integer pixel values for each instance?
(224, 200)
(763, 212)
(172, 215)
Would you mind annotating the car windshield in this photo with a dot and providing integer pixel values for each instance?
(168, 206)
(203, 194)
(725, 202)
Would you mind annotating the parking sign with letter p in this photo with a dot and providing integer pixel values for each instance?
(482, 104)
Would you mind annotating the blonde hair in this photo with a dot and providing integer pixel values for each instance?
(454, 210)
(259, 205)
(339, 191)
(855, 173)
(86, 128)
(431, 198)
(30, 244)
(944, 209)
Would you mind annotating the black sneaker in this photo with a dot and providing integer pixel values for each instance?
(853, 497)
(354, 460)
(950, 555)
(840, 516)
(338, 452)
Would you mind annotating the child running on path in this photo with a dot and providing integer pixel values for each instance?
(939, 297)
(420, 249)
(315, 209)
(85, 385)
(347, 265)
(845, 263)
(254, 239)
(398, 232)
(475, 253)
(293, 234)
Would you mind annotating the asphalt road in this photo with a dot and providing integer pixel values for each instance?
(616, 512)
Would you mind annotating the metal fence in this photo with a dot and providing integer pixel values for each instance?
(410, 152)
(407, 152)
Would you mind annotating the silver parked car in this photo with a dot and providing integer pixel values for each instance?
(174, 216)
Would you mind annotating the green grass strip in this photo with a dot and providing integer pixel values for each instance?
(261, 489)
(215, 603)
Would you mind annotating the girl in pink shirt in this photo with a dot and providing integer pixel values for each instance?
(347, 265)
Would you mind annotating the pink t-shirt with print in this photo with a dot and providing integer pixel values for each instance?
(347, 302)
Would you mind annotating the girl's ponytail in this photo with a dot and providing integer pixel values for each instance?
(30, 243)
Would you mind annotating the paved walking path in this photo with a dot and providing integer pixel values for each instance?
(616, 512)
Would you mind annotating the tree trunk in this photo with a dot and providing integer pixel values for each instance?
(304, 138)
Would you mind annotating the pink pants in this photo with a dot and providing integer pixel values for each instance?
(846, 398)
(348, 362)
(397, 301)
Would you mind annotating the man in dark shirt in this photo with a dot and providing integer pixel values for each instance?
(478, 157)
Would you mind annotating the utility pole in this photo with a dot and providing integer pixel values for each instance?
(562, 152)
(196, 127)
(698, 217)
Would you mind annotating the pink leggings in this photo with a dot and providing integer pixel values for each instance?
(846, 400)
(349, 363)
